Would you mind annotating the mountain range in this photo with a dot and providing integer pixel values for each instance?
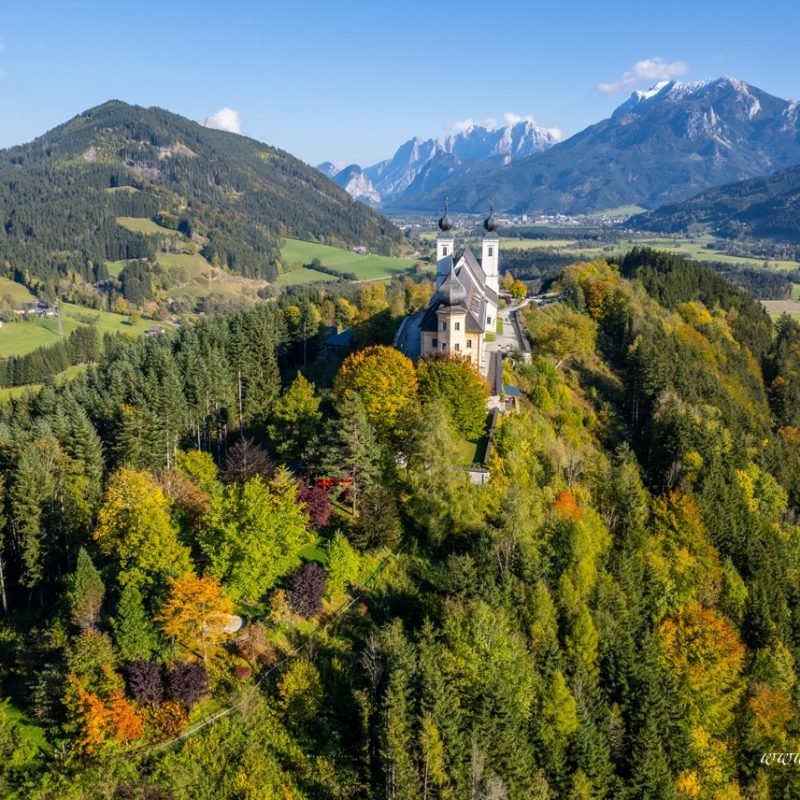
(419, 166)
(764, 208)
(662, 145)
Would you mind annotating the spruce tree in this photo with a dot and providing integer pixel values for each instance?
(134, 632)
(85, 592)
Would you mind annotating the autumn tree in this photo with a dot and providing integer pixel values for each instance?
(706, 656)
(560, 332)
(384, 378)
(307, 588)
(134, 526)
(196, 614)
(187, 683)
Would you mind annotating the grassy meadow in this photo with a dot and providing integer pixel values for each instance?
(365, 268)
(23, 336)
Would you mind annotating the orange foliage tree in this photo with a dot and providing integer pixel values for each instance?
(704, 652)
(103, 722)
(196, 613)
(566, 506)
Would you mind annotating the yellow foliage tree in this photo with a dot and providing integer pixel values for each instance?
(385, 379)
(135, 527)
(196, 614)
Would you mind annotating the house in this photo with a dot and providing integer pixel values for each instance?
(464, 307)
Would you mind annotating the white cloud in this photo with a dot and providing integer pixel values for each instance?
(226, 119)
(650, 69)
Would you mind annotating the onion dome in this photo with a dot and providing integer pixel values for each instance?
(452, 291)
(444, 221)
(490, 223)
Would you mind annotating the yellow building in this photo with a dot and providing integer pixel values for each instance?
(464, 306)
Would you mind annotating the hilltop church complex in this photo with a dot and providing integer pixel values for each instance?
(464, 307)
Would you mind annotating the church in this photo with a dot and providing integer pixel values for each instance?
(464, 307)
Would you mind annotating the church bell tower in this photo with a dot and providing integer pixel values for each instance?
(490, 254)
(444, 248)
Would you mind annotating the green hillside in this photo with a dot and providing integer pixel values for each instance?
(362, 267)
(613, 615)
(24, 336)
(117, 182)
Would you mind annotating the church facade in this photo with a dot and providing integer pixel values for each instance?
(464, 307)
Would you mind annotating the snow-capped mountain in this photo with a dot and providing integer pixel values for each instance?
(420, 165)
(661, 145)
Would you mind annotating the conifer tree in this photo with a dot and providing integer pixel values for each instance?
(86, 592)
(134, 632)
(352, 450)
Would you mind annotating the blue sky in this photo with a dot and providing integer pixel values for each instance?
(350, 81)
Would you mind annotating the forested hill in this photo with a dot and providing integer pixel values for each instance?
(60, 196)
(766, 208)
(614, 616)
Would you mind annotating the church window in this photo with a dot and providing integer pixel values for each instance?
(488, 321)
(491, 250)
(458, 346)
(444, 326)
(435, 342)
(444, 251)
(458, 326)
(469, 343)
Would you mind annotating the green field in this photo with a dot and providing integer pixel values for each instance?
(18, 293)
(125, 189)
(12, 392)
(303, 275)
(619, 211)
(24, 336)
(143, 225)
(536, 244)
(365, 268)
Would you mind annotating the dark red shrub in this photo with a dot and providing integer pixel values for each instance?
(145, 683)
(315, 502)
(306, 589)
(187, 683)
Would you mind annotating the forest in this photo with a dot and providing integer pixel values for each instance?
(237, 566)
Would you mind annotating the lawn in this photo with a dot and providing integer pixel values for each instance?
(144, 225)
(365, 268)
(18, 293)
(690, 248)
(23, 336)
